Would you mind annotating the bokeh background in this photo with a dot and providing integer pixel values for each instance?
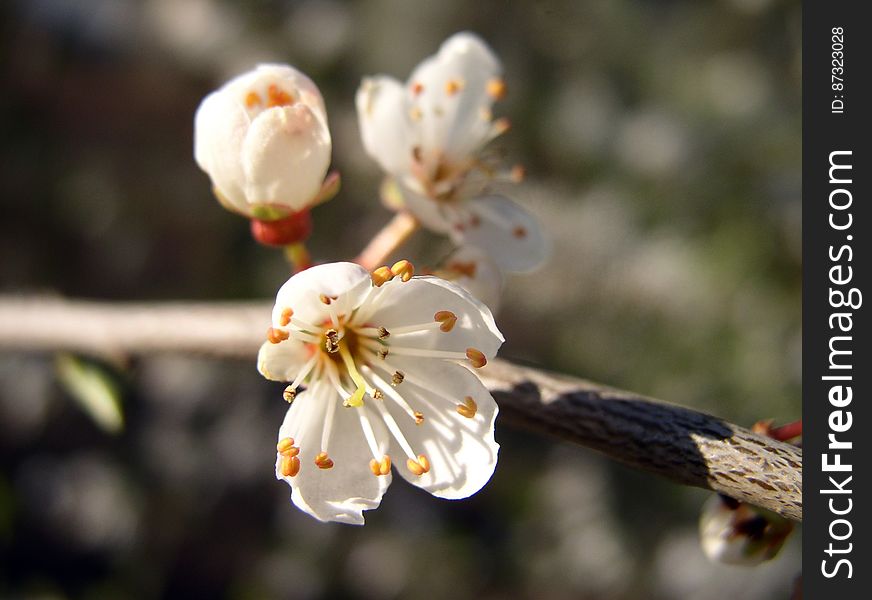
(662, 142)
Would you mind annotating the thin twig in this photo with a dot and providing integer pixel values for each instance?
(391, 237)
(684, 445)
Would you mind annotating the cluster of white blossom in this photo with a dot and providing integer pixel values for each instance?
(386, 357)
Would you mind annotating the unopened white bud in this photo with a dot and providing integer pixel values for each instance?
(263, 140)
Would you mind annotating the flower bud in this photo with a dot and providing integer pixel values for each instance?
(263, 140)
(736, 533)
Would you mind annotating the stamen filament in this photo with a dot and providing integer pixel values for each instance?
(392, 393)
(395, 430)
(307, 368)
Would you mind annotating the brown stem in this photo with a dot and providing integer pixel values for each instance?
(678, 443)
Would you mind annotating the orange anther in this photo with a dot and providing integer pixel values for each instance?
(422, 460)
(417, 88)
(419, 417)
(276, 335)
(381, 275)
(447, 320)
(322, 461)
(285, 318)
(284, 445)
(403, 269)
(375, 467)
(278, 97)
(476, 357)
(496, 88)
(453, 86)
(415, 467)
(468, 408)
(289, 466)
(252, 99)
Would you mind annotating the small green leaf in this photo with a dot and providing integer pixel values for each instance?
(94, 391)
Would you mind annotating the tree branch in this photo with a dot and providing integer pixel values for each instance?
(678, 443)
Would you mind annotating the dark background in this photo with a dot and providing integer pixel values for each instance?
(662, 143)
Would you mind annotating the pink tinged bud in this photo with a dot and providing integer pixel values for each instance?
(263, 140)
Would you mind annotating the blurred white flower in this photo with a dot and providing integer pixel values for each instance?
(382, 357)
(429, 135)
(474, 271)
(263, 140)
(736, 533)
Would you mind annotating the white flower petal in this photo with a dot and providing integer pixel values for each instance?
(285, 156)
(219, 128)
(416, 302)
(432, 214)
(348, 282)
(344, 491)
(282, 361)
(462, 451)
(476, 272)
(383, 114)
(453, 123)
(507, 232)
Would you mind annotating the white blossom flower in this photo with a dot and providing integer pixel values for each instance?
(737, 533)
(263, 140)
(382, 357)
(429, 134)
(476, 272)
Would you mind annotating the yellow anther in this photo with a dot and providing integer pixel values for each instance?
(322, 461)
(285, 318)
(284, 445)
(331, 341)
(289, 466)
(383, 333)
(468, 408)
(519, 232)
(374, 467)
(453, 86)
(378, 394)
(252, 99)
(276, 335)
(518, 173)
(289, 394)
(384, 467)
(419, 417)
(381, 275)
(476, 357)
(397, 378)
(415, 114)
(496, 88)
(403, 269)
(447, 320)
(417, 88)
(415, 467)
